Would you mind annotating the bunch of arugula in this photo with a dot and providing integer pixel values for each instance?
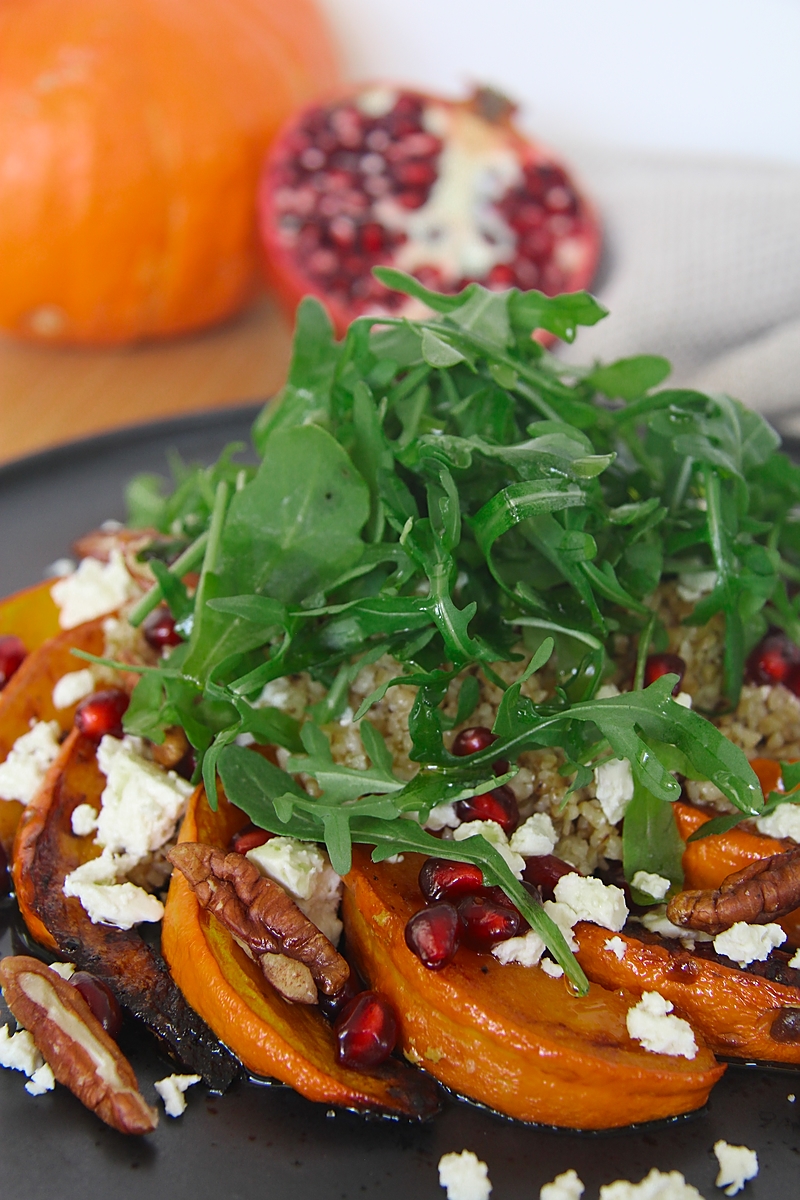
(437, 490)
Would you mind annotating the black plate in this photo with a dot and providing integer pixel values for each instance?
(268, 1141)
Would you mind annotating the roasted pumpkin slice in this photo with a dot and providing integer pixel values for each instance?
(739, 1014)
(28, 695)
(31, 615)
(512, 1037)
(710, 860)
(290, 1042)
(45, 851)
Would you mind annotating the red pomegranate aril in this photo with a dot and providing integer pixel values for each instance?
(432, 934)
(499, 805)
(101, 1001)
(664, 664)
(366, 1032)
(484, 922)
(472, 741)
(101, 714)
(159, 629)
(772, 659)
(12, 656)
(248, 839)
(440, 879)
(330, 1006)
(544, 872)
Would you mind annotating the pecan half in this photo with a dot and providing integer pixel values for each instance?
(758, 894)
(81, 1054)
(265, 921)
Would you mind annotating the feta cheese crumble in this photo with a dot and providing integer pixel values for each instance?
(564, 917)
(534, 837)
(657, 1185)
(551, 968)
(28, 761)
(652, 885)
(783, 823)
(442, 816)
(749, 943)
(794, 961)
(171, 1090)
(141, 803)
(464, 1176)
(613, 785)
(83, 820)
(41, 1081)
(496, 835)
(564, 1187)
(649, 1022)
(525, 950)
(96, 588)
(592, 900)
(71, 688)
(19, 1052)
(692, 585)
(65, 969)
(737, 1164)
(105, 899)
(616, 946)
(304, 870)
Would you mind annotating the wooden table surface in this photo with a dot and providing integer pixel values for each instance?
(49, 395)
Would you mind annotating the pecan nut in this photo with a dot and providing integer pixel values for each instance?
(758, 894)
(81, 1054)
(263, 919)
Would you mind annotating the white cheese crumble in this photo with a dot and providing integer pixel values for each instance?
(657, 921)
(616, 946)
(304, 870)
(442, 816)
(737, 1164)
(794, 961)
(564, 917)
(105, 899)
(525, 950)
(71, 688)
(551, 968)
(496, 836)
(19, 1052)
(28, 761)
(96, 588)
(684, 699)
(83, 820)
(650, 1023)
(171, 1090)
(605, 693)
(657, 1185)
(592, 900)
(464, 1176)
(692, 585)
(41, 1081)
(613, 785)
(141, 803)
(564, 1187)
(791, 1097)
(535, 837)
(65, 969)
(652, 885)
(783, 823)
(749, 943)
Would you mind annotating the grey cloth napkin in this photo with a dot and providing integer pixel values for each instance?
(702, 264)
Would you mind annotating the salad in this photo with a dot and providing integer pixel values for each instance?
(451, 742)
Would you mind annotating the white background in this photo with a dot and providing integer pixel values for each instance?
(707, 76)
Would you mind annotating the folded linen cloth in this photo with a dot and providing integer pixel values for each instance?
(702, 264)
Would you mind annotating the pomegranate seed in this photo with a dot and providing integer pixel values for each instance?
(772, 659)
(12, 656)
(432, 934)
(101, 1001)
(373, 238)
(472, 741)
(499, 805)
(414, 174)
(484, 921)
(501, 276)
(411, 199)
(544, 872)
(664, 664)
(5, 879)
(159, 629)
(366, 1032)
(102, 713)
(248, 839)
(440, 879)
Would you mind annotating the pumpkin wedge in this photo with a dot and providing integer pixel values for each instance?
(738, 1014)
(45, 851)
(32, 615)
(709, 860)
(512, 1037)
(28, 695)
(290, 1042)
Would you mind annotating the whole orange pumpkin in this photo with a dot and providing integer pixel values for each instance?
(131, 135)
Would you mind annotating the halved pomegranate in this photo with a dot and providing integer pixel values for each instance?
(448, 191)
